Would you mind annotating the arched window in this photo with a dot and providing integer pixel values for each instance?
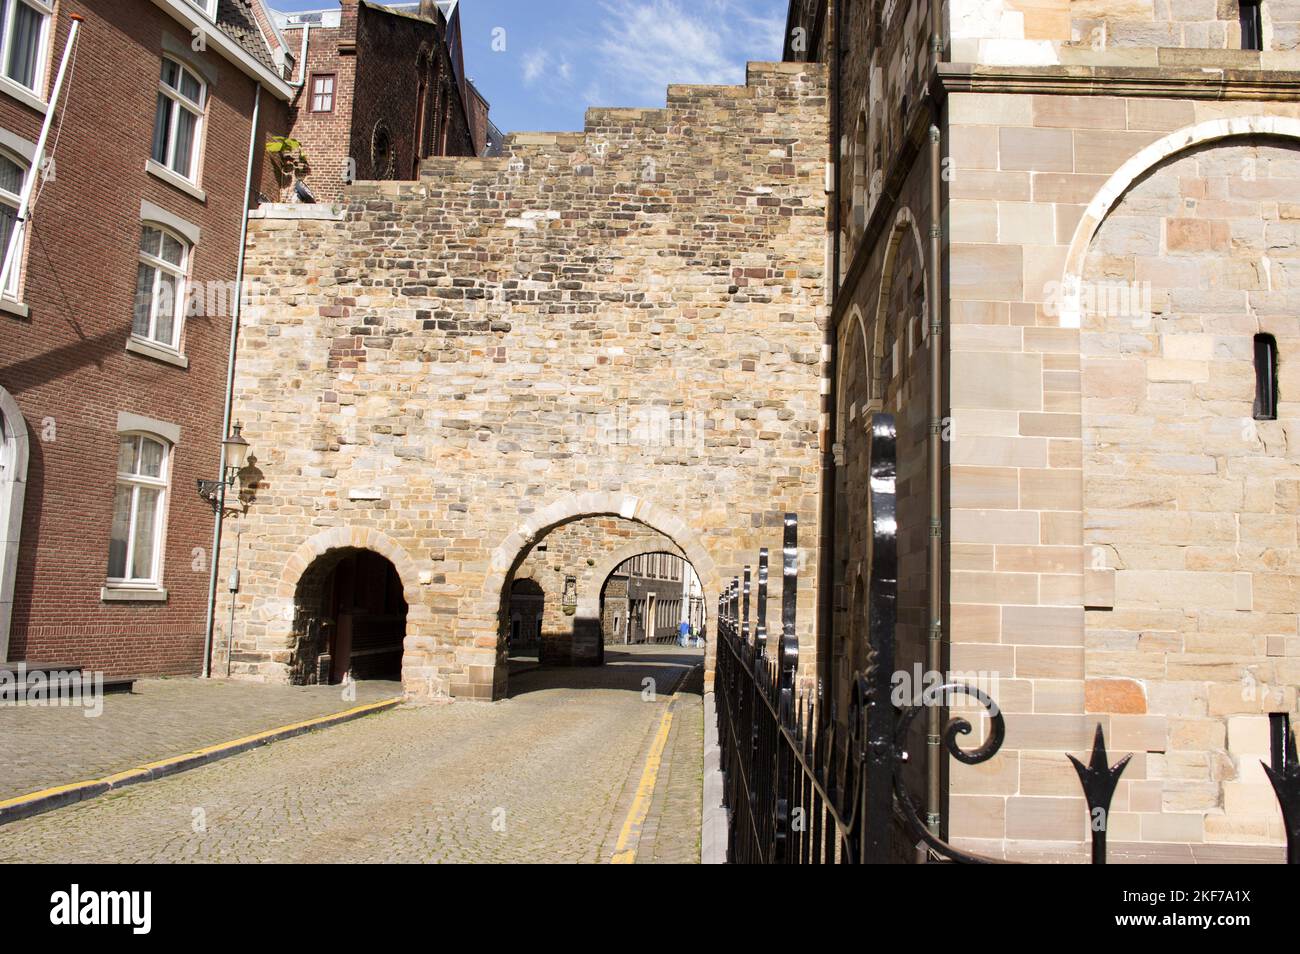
(178, 121)
(13, 171)
(160, 286)
(13, 482)
(136, 543)
(381, 151)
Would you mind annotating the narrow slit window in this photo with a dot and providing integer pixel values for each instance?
(1252, 24)
(1265, 378)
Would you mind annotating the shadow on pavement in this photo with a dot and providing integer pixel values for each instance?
(626, 668)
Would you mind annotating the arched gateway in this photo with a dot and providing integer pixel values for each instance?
(606, 324)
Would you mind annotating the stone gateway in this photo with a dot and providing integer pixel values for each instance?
(625, 322)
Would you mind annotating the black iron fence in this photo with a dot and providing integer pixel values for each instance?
(805, 786)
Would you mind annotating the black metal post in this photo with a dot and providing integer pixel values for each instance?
(1284, 773)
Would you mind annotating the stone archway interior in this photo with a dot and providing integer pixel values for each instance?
(567, 569)
(349, 619)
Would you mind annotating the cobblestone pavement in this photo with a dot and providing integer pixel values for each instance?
(671, 834)
(42, 746)
(547, 775)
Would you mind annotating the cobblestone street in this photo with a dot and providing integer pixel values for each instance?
(548, 775)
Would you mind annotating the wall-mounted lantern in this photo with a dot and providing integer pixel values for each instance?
(235, 453)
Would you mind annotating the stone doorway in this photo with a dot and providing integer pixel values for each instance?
(349, 619)
(526, 611)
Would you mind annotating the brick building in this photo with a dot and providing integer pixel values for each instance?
(1063, 244)
(112, 377)
(377, 89)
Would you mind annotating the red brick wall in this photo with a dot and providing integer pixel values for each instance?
(325, 137)
(377, 59)
(67, 364)
(388, 50)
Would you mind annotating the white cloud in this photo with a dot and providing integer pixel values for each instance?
(647, 44)
(534, 65)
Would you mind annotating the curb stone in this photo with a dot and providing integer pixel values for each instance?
(59, 796)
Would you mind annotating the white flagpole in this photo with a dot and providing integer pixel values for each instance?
(29, 184)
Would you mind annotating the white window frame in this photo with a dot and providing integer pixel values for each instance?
(179, 101)
(181, 272)
(42, 45)
(316, 93)
(10, 291)
(137, 482)
(207, 7)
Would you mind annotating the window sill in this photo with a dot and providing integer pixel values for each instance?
(115, 593)
(15, 308)
(156, 351)
(174, 179)
(24, 95)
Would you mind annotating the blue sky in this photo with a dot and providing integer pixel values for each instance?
(562, 56)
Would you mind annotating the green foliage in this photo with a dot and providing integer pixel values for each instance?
(288, 160)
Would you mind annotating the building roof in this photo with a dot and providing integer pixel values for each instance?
(235, 18)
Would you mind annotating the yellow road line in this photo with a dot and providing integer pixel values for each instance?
(146, 770)
(644, 792)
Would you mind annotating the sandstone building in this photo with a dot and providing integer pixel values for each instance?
(1064, 250)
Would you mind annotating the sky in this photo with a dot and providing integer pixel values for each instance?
(541, 63)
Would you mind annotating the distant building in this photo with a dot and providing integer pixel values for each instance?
(377, 89)
(647, 597)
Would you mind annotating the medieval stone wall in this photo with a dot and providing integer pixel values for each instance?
(625, 321)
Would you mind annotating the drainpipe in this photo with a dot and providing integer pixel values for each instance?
(230, 389)
(934, 752)
(302, 59)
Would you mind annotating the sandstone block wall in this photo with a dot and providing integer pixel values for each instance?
(625, 321)
(1168, 33)
(1118, 550)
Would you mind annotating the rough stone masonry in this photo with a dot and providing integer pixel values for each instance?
(625, 321)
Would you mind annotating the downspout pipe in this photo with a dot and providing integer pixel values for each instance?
(934, 716)
(302, 59)
(230, 390)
